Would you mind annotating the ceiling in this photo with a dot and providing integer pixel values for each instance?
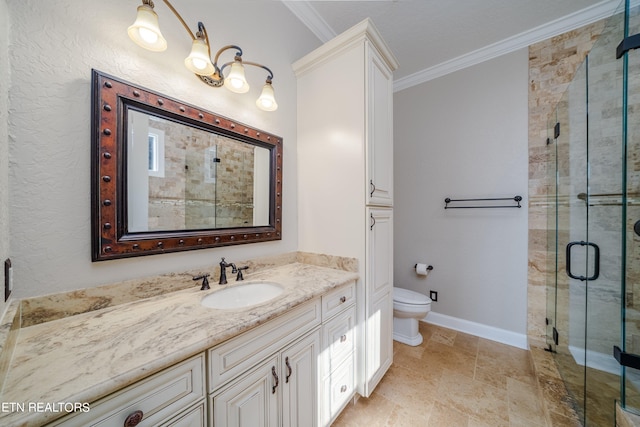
(433, 37)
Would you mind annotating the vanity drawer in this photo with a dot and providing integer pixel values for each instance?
(338, 388)
(159, 397)
(337, 300)
(338, 337)
(237, 355)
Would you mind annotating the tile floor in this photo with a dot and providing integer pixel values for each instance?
(452, 380)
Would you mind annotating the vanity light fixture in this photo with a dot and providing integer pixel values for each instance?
(145, 32)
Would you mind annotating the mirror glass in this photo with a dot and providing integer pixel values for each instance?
(184, 178)
(169, 176)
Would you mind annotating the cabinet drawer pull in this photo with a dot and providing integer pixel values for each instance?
(343, 338)
(289, 370)
(343, 389)
(275, 377)
(373, 187)
(133, 419)
(343, 299)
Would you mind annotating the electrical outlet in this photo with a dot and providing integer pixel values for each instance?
(8, 279)
(433, 295)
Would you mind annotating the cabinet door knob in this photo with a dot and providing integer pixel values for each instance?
(343, 299)
(343, 338)
(133, 419)
(343, 389)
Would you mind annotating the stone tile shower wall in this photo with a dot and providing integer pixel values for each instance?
(193, 196)
(552, 66)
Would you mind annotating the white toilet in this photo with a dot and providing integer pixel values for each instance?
(408, 308)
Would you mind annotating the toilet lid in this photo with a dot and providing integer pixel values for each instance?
(407, 296)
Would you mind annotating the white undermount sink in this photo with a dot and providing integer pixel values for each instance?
(245, 295)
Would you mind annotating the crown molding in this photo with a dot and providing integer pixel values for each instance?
(311, 18)
(559, 26)
(365, 30)
(318, 26)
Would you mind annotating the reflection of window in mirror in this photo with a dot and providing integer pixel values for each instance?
(156, 152)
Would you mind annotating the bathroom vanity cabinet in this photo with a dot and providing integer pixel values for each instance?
(345, 164)
(173, 397)
(297, 369)
(263, 375)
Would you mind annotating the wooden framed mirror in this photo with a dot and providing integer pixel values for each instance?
(168, 176)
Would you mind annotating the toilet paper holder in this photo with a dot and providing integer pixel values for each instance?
(430, 267)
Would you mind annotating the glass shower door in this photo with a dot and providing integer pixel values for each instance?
(570, 131)
(603, 202)
(631, 315)
(589, 242)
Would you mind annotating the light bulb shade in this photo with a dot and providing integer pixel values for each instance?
(198, 60)
(235, 81)
(145, 32)
(267, 100)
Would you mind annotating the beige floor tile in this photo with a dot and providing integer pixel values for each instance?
(448, 357)
(466, 343)
(371, 412)
(444, 416)
(454, 380)
(524, 402)
(443, 336)
(413, 391)
(473, 398)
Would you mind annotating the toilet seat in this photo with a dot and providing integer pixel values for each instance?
(406, 296)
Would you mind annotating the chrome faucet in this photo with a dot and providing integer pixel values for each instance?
(223, 271)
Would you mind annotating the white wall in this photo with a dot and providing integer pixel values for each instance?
(53, 47)
(464, 135)
(5, 78)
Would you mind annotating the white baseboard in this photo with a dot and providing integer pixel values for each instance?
(503, 336)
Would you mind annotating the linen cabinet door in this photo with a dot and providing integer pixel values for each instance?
(379, 119)
(379, 346)
(300, 382)
(379, 299)
(251, 401)
(379, 256)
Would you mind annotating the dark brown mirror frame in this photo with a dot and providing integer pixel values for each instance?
(111, 99)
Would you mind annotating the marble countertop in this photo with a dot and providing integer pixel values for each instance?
(87, 356)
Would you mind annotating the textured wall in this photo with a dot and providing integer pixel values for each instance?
(54, 46)
(5, 78)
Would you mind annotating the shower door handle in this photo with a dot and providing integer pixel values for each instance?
(596, 266)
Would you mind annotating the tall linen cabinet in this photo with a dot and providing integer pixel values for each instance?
(345, 177)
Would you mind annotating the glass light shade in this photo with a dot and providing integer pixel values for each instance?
(198, 60)
(145, 31)
(235, 81)
(267, 100)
